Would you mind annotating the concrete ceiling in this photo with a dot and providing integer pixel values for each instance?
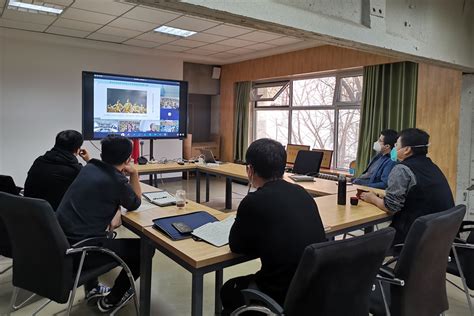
(130, 24)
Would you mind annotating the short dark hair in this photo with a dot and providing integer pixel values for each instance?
(389, 137)
(267, 157)
(116, 149)
(69, 140)
(415, 137)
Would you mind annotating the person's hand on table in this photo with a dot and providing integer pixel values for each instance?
(369, 197)
(116, 221)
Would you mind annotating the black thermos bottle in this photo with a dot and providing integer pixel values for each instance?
(341, 190)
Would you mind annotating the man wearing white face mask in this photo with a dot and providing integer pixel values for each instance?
(416, 186)
(379, 168)
(275, 223)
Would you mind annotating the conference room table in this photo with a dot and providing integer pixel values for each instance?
(232, 172)
(199, 257)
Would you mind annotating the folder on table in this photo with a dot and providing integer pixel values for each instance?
(193, 220)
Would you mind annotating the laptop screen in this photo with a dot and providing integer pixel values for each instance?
(208, 155)
(308, 162)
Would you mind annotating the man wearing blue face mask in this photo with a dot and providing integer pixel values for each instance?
(416, 186)
(379, 168)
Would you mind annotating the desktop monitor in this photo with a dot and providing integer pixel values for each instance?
(133, 107)
(308, 162)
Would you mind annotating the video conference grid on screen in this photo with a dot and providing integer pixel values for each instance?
(135, 107)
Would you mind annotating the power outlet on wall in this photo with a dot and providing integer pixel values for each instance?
(377, 8)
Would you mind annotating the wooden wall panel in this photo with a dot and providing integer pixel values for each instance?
(323, 58)
(437, 112)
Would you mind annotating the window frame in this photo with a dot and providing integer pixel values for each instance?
(337, 104)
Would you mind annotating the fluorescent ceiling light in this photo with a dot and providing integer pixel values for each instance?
(36, 7)
(174, 31)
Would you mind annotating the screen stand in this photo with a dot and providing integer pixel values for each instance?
(151, 150)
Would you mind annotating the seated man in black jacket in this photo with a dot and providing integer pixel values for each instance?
(51, 174)
(274, 223)
(91, 207)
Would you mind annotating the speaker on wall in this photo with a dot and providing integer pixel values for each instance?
(216, 72)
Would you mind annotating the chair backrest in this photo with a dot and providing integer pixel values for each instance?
(292, 151)
(335, 278)
(308, 162)
(8, 185)
(327, 157)
(39, 247)
(422, 264)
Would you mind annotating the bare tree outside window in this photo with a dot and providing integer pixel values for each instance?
(321, 112)
(272, 124)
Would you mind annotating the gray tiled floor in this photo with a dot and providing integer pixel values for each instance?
(171, 284)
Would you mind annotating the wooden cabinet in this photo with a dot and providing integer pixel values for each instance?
(192, 150)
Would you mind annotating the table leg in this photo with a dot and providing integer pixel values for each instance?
(150, 181)
(197, 295)
(155, 180)
(207, 187)
(198, 186)
(219, 281)
(146, 256)
(228, 193)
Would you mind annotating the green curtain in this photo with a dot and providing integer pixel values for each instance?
(241, 119)
(388, 101)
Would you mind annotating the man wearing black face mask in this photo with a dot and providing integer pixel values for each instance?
(379, 168)
(416, 186)
(275, 223)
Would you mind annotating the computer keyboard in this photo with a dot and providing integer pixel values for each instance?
(327, 176)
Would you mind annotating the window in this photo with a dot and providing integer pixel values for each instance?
(323, 112)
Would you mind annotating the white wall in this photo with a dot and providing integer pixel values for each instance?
(41, 91)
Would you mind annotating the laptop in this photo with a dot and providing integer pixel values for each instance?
(209, 156)
(308, 162)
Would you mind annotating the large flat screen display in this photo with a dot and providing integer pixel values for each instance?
(134, 107)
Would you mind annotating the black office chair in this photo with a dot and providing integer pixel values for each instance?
(43, 258)
(333, 279)
(462, 261)
(6, 185)
(417, 286)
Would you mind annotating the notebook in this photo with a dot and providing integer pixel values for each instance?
(215, 233)
(160, 198)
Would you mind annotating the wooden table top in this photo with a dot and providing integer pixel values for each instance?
(229, 169)
(164, 167)
(201, 254)
(197, 254)
(340, 217)
(319, 186)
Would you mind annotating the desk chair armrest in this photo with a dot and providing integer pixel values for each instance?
(391, 280)
(466, 226)
(255, 298)
(111, 235)
(386, 272)
(463, 245)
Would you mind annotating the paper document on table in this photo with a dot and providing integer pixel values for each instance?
(216, 233)
(145, 206)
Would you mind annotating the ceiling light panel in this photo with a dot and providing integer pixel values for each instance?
(174, 31)
(34, 8)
